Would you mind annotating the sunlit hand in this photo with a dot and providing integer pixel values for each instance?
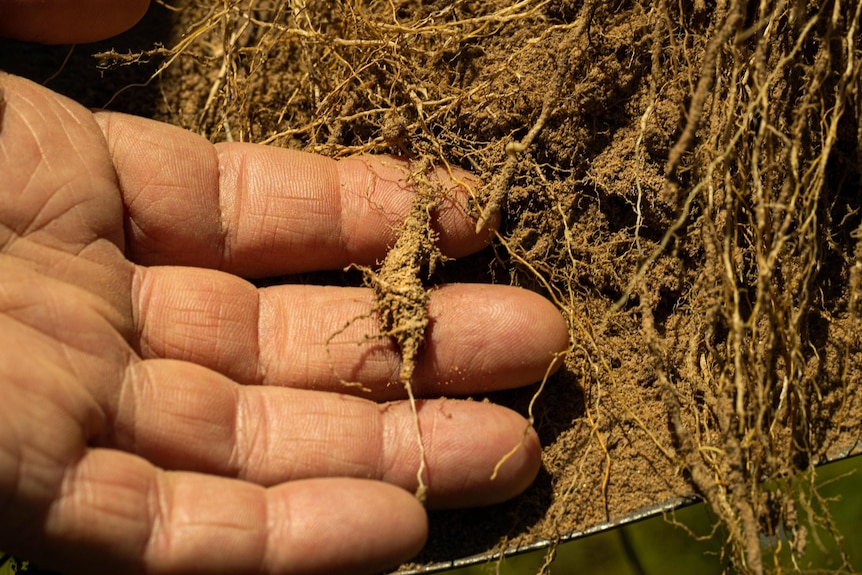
(160, 414)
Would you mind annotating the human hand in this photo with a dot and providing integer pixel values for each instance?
(160, 414)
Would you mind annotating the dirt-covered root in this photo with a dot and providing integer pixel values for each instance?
(401, 299)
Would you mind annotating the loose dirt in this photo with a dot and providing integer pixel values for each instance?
(681, 179)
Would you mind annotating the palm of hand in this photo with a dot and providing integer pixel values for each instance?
(113, 372)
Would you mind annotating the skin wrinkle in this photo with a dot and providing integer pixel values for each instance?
(135, 144)
(35, 456)
(250, 435)
(106, 144)
(42, 259)
(389, 446)
(296, 356)
(315, 434)
(399, 443)
(270, 533)
(28, 100)
(338, 200)
(68, 122)
(259, 370)
(373, 352)
(264, 321)
(34, 226)
(131, 333)
(199, 302)
(104, 310)
(158, 542)
(91, 494)
(285, 522)
(136, 234)
(202, 417)
(36, 465)
(259, 196)
(322, 203)
(292, 224)
(93, 424)
(230, 329)
(373, 419)
(377, 365)
(128, 408)
(229, 196)
(179, 350)
(39, 221)
(145, 387)
(8, 240)
(125, 436)
(96, 235)
(306, 432)
(262, 536)
(130, 200)
(430, 434)
(24, 223)
(238, 401)
(152, 301)
(205, 299)
(62, 267)
(138, 299)
(93, 418)
(141, 293)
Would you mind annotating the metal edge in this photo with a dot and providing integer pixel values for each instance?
(648, 512)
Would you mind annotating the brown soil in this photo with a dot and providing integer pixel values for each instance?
(679, 178)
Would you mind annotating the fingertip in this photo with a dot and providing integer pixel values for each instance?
(544, 331)
(67, 21)
(504, 452)
(349, 526)
(558, 336)
(492, 337)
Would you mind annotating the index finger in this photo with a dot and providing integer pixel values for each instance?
(256, 211)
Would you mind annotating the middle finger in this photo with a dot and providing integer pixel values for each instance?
(480, 338)
(181, 416)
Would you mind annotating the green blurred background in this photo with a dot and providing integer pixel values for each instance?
(656, 546)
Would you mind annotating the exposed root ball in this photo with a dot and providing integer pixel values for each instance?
(401, 299)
